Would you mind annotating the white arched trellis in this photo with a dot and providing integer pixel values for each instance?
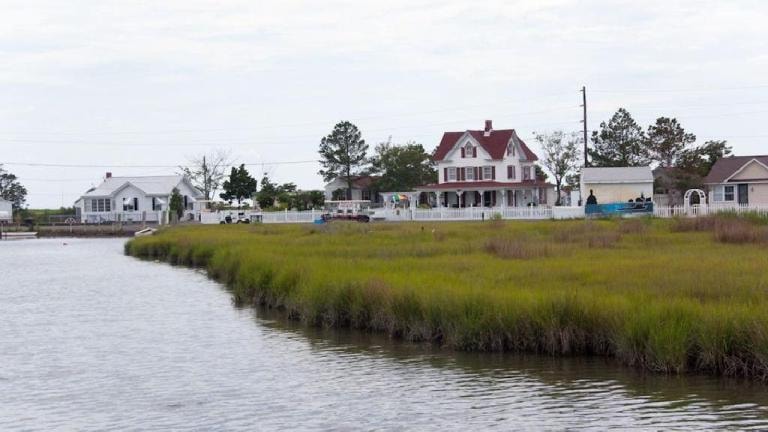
(687, 198)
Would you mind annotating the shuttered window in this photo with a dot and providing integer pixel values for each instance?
(511, 174)
(487, 172)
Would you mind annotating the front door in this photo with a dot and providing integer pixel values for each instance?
(743, 193)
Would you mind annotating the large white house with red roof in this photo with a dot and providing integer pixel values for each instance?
(486, 168)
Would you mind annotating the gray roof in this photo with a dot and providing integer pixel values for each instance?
(151, 185)
(617, 175)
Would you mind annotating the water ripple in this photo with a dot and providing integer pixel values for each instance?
(99, 341)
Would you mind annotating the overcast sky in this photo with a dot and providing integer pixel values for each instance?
(156, 82)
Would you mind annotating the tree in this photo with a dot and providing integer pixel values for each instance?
(561, 155)
(666, 140)
(207, 171)
(619, 143)
(402, 168)
(694, 164)
(176, 204)
(11, 190)
(539, 173)
(239, 186)
(343, 154)
(267, 195)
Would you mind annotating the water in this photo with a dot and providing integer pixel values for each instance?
(93, 340)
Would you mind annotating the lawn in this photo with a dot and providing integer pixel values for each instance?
(664, 295)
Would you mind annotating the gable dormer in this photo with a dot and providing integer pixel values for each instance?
(469, 150)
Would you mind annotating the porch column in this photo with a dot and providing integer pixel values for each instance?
(482, 197)
(503, 198)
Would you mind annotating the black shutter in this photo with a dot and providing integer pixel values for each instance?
(445, 175)
(493, 173)
(463, 153)
(474, 152)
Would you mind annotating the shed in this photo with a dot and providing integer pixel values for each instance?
(617, 184)
(6, 211)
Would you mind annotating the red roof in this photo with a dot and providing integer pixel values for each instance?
(486, 184)
(727, 166)
(495, 144)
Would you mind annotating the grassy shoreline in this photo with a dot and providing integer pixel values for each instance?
(660, 295)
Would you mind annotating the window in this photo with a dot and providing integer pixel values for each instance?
(452, 174)
(526, 173)
(511, 174)
(468, 150)
(470, 173)
(728, 192)
(542, 196)
(365, 195)
(487, 172)
(101, 205)
(511, 149)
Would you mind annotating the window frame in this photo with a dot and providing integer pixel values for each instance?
(469, 174)
(732, 193)
(487, 175)
(452, 174)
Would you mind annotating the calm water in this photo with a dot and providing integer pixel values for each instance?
(93, 340)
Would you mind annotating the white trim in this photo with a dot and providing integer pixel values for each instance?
(742, 169)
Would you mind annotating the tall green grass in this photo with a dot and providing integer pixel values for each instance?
(650, 293)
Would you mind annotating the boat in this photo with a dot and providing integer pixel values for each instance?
(144, 232)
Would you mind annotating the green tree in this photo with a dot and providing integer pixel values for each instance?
(694, 164)
(239, 186)
(666, 140)
(267, 194)
(402, 168)
(539, 173)
(176, 204)
(561, 155)
(619, 143)
(11, 190)
(343, 154)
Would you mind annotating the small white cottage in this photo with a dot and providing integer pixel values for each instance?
(137, 199)
(6, 211)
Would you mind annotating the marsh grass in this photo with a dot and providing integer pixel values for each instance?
(653, 295)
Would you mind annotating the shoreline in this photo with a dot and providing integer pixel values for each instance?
(670, 334)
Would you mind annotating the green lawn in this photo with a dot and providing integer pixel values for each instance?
(663, 295)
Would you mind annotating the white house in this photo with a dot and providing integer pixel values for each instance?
(486, 168)
(6, 211)
(616, 184)
(136, 199)
(362, 189)
(739, 179)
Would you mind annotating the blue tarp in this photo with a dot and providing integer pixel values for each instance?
(618, 208)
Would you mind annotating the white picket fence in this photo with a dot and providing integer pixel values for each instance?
(706, 210)
(437, 214)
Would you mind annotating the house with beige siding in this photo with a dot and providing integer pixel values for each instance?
(738, 180)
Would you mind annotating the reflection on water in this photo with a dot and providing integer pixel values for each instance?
(93, 340)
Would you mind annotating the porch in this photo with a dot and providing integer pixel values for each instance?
(501, 197)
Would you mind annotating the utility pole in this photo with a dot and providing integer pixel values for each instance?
(584, 120)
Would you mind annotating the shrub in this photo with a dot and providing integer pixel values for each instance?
(523, 248)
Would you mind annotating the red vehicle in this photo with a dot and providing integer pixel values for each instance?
(353, 210)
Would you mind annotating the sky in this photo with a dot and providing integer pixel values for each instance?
(140, 87)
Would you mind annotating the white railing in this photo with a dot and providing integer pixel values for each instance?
(706, 210)
(126, 216)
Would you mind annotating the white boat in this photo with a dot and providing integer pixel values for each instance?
(144, 232)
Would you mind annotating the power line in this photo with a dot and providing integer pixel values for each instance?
(57, 165)
(284, 125)
(688, 90)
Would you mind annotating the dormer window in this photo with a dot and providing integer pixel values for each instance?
(468, 151)
(511, 149)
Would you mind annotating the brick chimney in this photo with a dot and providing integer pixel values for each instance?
(488, 128)
(109, 175)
